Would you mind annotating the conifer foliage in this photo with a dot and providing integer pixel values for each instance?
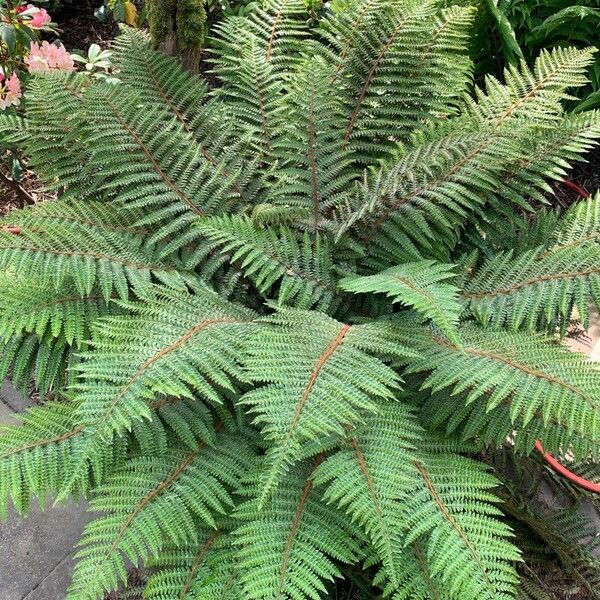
(275, 322)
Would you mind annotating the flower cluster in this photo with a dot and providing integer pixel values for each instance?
(48, 57)
(10, 91)
(34, 17)
(21, 45)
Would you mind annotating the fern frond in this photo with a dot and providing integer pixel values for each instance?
(288, 547)
(279, 25)
(530, 375)
(384, 47)
(370, 476)
(540, 287)
(415, 579)
(300, 268)
(155, 501)
(53, 142)
(160, 78)
(315, 171)
(28, 360)
(547, 155)
(53, 249)
(456, 172)
(453, 510)
(429, 190)
(534, 94)
(172, 344)
(37, 456)
(252, 90)
(205, 570)
(156, 169)
(420, 286)
(163, 81)
(332, 381)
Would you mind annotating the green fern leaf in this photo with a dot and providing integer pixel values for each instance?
(54, 249)
(286, 547)
(417, 285)
(453, 508)
(302, 268)
(531, 375)
(150, 502)
(177, 343)
(543, 284)
(370, 478)
(305, 397)
(206, 570)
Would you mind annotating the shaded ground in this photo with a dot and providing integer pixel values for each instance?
(585, 174)
(80, 28)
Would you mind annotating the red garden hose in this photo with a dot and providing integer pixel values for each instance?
(562, 470)
(11, 229)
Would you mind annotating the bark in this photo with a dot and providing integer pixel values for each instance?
(178, 28)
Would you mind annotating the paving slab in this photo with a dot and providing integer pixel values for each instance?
(36, 552)
(12, 398)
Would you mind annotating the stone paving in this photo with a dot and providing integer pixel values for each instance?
(36, 553)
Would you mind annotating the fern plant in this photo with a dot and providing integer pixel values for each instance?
(276, 323)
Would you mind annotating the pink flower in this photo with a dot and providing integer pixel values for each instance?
(10, 93)
(48, 57)
(39, 17)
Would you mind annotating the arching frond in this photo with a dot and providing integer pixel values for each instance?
(174, 344)
(54, 249)
(369, 478)
(420, 286)
(299, 267)
(307, 397)
(36, 457)
(151, 502)
(316, 163)
(383, 47)
(205, 570)
(287, 548)
(526, 373)
(542, 285)
(53, 142)
(252, 89)
(453, 509)
(533, 94)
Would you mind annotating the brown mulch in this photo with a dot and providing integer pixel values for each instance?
(33, 187)
(80, 28)
(584, 174)
(135, 586)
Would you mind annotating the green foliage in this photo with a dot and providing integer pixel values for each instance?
(284, 322)
(513, 30)
(417, 285)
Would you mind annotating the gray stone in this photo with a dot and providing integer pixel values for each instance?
(7, 415)
(36, 552)
(12, 398)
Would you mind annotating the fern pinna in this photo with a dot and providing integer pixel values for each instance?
(280, 324)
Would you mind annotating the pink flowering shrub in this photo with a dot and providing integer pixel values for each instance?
(48, 57)
(21, 48)
(10, 91)
(34, 17)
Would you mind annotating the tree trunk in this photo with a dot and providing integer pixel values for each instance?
(178, 28)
